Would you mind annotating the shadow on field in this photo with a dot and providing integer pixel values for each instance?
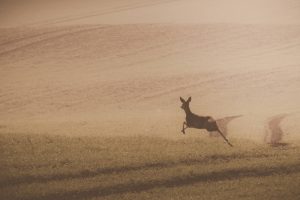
(124, 169)
(224, 175)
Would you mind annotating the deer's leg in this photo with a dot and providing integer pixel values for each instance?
(213, 126)
(183, 128)
(224, 137)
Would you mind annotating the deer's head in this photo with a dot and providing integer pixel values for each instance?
(185, 104)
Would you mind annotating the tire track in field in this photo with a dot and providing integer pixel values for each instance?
(49, 39)
(57, 20)
(62, 33)
(171, 52)
(218, 80)
(20, 39)
(131, 7)
(185, 50)
(18, 43)
(195, 46)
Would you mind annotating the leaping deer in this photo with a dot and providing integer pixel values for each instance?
(199, 122)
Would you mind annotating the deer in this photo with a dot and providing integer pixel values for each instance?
(199, 122)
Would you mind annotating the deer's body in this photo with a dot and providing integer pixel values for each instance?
(199, 122)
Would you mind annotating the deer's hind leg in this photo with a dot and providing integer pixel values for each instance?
(212, 126)
(223, 136)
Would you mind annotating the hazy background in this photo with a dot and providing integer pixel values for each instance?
(119, 67)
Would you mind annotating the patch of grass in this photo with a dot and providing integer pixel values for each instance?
(139, 167)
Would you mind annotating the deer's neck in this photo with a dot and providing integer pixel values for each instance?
(188, 111)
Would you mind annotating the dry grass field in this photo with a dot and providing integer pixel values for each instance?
(139, 167)
(90, 109)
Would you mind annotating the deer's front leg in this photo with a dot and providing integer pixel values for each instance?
(183, 128)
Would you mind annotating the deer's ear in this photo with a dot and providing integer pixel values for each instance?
(189, 99)
(182, 100)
